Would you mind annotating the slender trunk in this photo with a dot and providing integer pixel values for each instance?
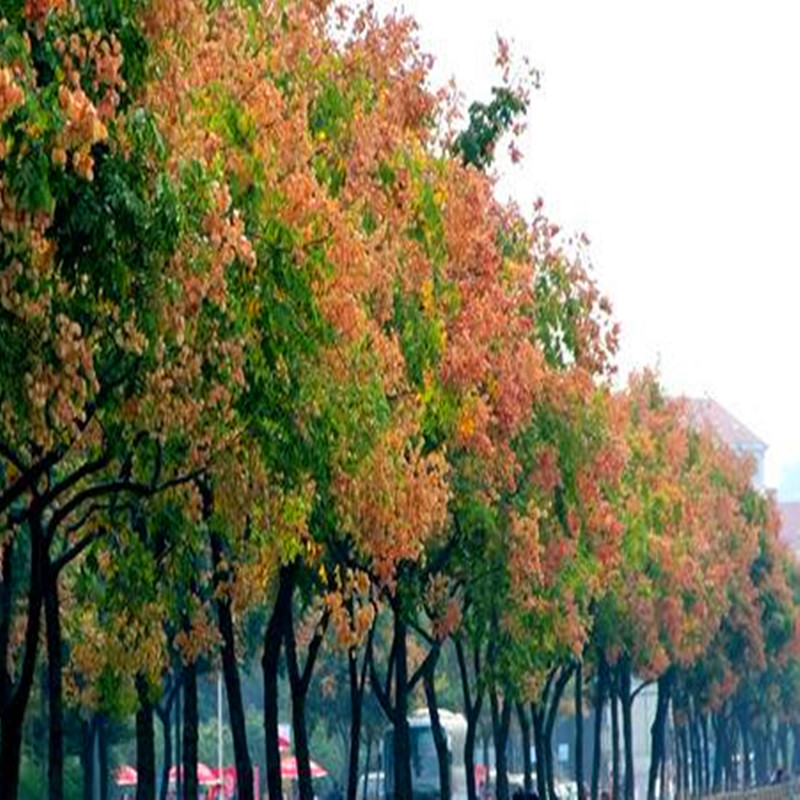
(559, 686)
(795, 749)
(614, 741)
(145, 744)
(439, 736)
(527, 763)
(102, 757)
(368, 755)
(401, 733)
(539, 744)
(55, 749)
(356, 708)
(14, 701)
(626, 702)
(501, 720)
(601, 687)
(662, 794)
(719, 753)
(744, 728)
(578, 678)
(179, 744)
(697, 761)
(273, 639)
(472, 707)
(684, 745)
(706, 786)
(166, 727)
(88, 729)
(783, 746)
(230, 671)
(658, 734)
(190, 731)
(300, 680)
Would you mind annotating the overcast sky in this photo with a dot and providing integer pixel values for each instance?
(670, 134)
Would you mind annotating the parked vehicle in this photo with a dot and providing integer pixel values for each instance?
(424, 761)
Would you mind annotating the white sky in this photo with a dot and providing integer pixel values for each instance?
(670, 134)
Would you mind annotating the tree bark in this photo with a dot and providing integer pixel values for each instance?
(601, 690)
(166, 727)
(300, 682)
(55, 749)
(230, 671)
(273, 640)
(14, 700)
(614, 740)
(179, 744)
(102, 757)
(472, 708)
(626, 701)
(439, 736)
(190, 731)
(88, 730)
(501, 720)
(706, 786)
(578, 678)
(145, 744)
(558, 688)
(744, 729)
(525, 731)
(658, 733)
(401, 733)
(357, 680)
(537, 716)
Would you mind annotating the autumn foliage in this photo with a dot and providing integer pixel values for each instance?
(274, 356)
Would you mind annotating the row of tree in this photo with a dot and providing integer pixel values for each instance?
(276, 364)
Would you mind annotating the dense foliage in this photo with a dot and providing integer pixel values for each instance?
(282, 379)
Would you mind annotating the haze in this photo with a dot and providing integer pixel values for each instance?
(669, 134)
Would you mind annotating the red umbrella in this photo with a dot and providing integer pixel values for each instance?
(125, 775)
(289, 769)
(205, 775)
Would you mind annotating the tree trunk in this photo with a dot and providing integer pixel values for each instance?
(230, 671)
(554, 702)
(578, 678)
(439, 736)
(55, 749)
(684, 745)
(601, 689)
(166, 727)
(697, 759)
(102, 757)
(88, 729)
(719, 753)
(706, 786)
(356, 708)
(14, 701)
(190, 731)
(401, 733)
(179, 744)
(614, 741)
(626, 701)
(795, 749)
(658, 733)
(501, 720)
(300, 680)
(527, 763)
(539, 745)
(145, 744)
(744, 728)
(472, 708)
(368, 755)
(273, 639)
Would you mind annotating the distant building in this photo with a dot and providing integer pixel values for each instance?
(790, 526)
(709, 413)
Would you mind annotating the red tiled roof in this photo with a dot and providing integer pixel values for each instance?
(790, 525)
(708, 412)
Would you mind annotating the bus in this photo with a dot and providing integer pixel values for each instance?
(424, 761)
